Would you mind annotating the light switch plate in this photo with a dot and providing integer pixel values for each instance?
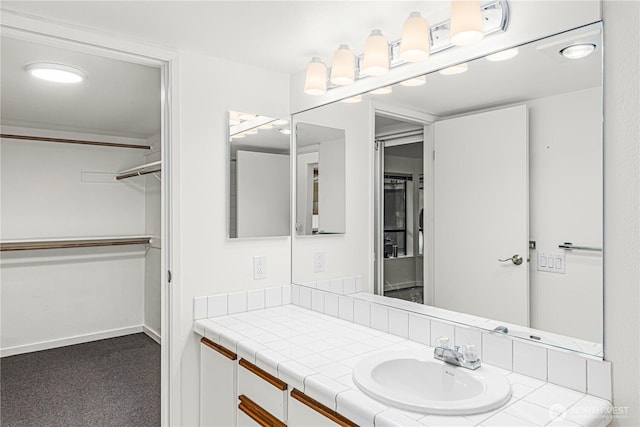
(552, 263)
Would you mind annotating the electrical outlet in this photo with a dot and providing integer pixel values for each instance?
(318, 262)
(259, 267)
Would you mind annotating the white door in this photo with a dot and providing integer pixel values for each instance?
(481, 215)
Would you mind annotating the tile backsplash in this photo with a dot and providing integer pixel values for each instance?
(334, 298)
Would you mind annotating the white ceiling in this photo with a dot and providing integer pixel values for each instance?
(117, 98)
(276, 35)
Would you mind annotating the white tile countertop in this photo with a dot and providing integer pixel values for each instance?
(315, 353)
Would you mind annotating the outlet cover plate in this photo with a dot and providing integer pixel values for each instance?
(259, 267)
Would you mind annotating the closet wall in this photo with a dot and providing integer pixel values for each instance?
(58, 297)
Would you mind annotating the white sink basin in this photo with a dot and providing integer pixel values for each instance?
(417, 382)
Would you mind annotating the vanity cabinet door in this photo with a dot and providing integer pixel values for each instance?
(307, 412)
(259, 386)
(218, 395)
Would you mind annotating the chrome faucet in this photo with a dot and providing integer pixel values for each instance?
(466, 358)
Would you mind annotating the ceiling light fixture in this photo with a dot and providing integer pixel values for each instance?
(376, 55)
(467, 27)
(58, 73)
(578, 51)
(456, 69)
(280, 122)
(416, 81)
(246, 116)
(343, 69)
(316, 80)
(470, 21)
(414, 45)
(382, 90)
(285, 131)
(352, 100)
(503, 55)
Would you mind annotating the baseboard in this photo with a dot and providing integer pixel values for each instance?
(63, 342)
(152, 334)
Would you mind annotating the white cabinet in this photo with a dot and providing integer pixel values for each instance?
(259, 389)
(218, 395)
(307, 412)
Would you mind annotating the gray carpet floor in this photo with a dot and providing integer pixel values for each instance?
(112, 382)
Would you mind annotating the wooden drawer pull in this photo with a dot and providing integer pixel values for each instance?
(320, 408)
(258, 414)
(220, 349)
(277, 383)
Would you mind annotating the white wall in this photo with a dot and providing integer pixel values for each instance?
(208, 262)
(58, 296)
(346, 254)
(153, 227)
(263, 194)
(565, 155)
(622, 204)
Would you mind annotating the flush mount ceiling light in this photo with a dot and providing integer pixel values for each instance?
(578, 51)
(467, 27)
(503, 55)
(376, 55)
(58, 73)
(456, 69)
(414, 45)
(382, 90)
(316, 80)
(470, 22)
(416, 81)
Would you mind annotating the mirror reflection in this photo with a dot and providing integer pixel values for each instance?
(320, 193)
(487, 201)
(259, 177)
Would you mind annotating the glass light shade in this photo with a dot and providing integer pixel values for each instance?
(343, 68)
(315, 82)
(56, 72)
(352, 100)
(238, 135)
(280, 122)
(246, 116)
(456, 69)
(376, 54)
(578, 51)
(251, 131)
(416, 81)
(382, 91)
(414, 45)
(266, 126)
(503, 55)
(466, 22)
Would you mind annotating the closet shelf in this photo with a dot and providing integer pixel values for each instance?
(64, 243)
(74, 141)
(145, 169)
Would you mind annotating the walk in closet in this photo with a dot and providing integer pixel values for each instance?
(80, 200)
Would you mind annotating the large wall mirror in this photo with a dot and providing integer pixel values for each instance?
(259, 176)
(484, 192)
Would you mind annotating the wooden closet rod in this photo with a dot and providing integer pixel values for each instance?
(74, 141)
(80, 243)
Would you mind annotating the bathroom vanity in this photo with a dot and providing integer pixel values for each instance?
(291, 365)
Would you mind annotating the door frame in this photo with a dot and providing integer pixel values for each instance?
(427, 121)
(44, 32)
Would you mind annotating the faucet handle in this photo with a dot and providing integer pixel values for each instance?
(442, 341)
(470, 352)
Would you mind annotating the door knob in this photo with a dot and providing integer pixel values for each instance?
(516, 259)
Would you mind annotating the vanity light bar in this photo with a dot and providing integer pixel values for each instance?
(495, 17)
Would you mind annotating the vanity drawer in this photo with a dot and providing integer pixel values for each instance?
(263, 389)
(252, 415)
(307, 412)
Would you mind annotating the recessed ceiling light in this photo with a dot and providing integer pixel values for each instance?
(578, 51)
(56, 72)
(456, 69)
(503, 55)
